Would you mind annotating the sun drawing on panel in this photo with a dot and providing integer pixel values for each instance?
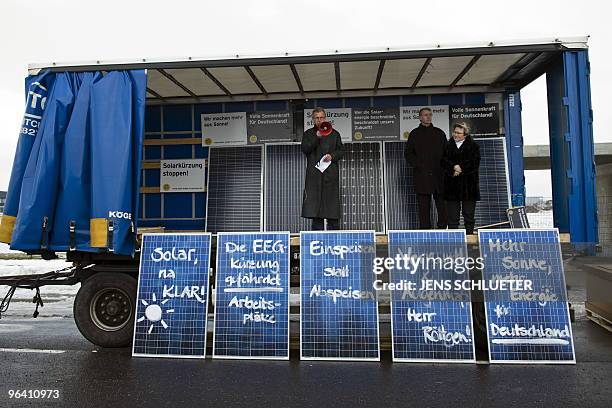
(154, 312)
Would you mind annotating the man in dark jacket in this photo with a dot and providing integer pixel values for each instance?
(424, 151)
(322, 189)
(461, 187)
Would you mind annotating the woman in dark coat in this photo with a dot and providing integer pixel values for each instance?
(321, 198)
(461, 186)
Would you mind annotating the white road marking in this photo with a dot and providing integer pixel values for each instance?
(9, 328)
(27, 350)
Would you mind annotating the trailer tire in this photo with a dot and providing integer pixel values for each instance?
(104, 309)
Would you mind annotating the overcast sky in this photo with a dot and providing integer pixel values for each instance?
(71, 30)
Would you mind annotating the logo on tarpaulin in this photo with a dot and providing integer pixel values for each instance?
(120, 214)
(35, 106)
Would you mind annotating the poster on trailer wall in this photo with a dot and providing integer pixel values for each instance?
(482, 119)
(409, 119)
(340, 118)
(182, 176)
(224, 128)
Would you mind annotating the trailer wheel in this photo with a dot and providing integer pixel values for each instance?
(104, 309)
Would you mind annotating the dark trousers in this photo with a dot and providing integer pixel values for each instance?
(424, 204)
(467, 208)
(318, 224)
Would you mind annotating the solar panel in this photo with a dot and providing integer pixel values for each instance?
(494, 183)
(234, 189)
(252, 296)
(172, 297)
(526, 326)
(360, 187)
(494, 186)
(339, 308)
(361, 192)
(400, 198)
(430, 324)
(285, 173)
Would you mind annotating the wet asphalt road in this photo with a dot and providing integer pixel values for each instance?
(86, 376)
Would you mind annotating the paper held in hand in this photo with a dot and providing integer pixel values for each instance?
(322, 165)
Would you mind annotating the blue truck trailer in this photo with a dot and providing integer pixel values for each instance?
(88, 175)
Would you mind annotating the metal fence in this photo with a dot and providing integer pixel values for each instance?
(539, 212)
(2, 201)
(604, 218)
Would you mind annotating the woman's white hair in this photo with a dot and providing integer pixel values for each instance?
(464, 126)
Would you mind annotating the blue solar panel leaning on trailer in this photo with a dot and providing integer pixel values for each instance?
(321, 198)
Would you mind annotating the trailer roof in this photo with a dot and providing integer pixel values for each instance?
(485, 67)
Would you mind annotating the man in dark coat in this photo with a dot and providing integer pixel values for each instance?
(461, 187)
(321, 198)
(424, 151)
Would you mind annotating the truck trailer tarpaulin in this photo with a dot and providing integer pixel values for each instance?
(77, 162)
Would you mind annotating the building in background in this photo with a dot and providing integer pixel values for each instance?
(539, 209)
